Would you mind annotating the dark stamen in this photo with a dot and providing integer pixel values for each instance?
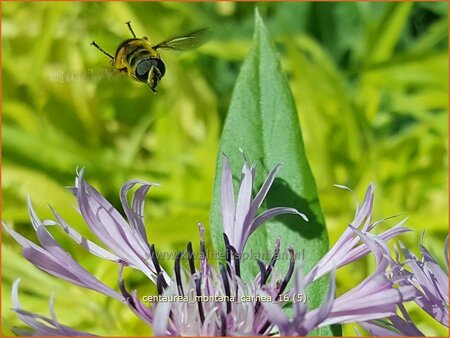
(227, 247)
(223, 324)
(177, 269)
(263, 277)
(198, 289)
(276, 252)
(154, 258)
(263, 274)
(228, 252)
(122, 288)
(288, 276)
(201, 229)
(191, 258)
(226, 285)
(237, 265)
(283, 285)
(264, 328)
(203, 249)
(160, 283)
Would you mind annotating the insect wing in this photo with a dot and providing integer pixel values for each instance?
(188, 41)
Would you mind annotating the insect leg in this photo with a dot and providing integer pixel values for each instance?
(131, 29)
(102, 50)
(151, 79)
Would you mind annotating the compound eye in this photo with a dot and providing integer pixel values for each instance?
(160, 65)
(142, 69)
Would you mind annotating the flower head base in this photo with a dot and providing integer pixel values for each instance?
(214, 301)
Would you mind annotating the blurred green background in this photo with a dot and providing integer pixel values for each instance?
(370, 82)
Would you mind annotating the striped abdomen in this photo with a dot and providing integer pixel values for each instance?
(137, 58)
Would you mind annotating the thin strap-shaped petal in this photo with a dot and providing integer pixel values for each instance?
(365, 212)
(362, 250)
(347, 250)
(82, 241)
(300, 308)
(378, 330)
(422, 276)
(375, 297)
(135, 212)
(270, 213)
(134, 302)
(353, 194)
(137, 205)
(67, 267)
(227, 198)
(61, 328)
(432, 302)
(316, 317)
(110, 220)
(161, 322)
(275, 314)
(110, 227)
(261, 195)
(406, 325)
(257, 202)
(440, 277)
(64, 267)
(327, 304)
(38, 323)
(242, 206)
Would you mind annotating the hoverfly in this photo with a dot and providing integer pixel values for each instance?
(140, 60)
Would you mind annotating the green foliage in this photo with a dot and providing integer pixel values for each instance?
(262, 121)
(370, 83)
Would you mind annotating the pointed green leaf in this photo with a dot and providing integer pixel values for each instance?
(262, 121)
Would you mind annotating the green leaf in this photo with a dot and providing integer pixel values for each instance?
(262, 120)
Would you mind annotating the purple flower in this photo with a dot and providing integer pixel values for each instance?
(201, 299)
(239, 218)
(429, 280)
(374, 298)
(348, 247)
(303, 321)
(52, 259)
(126, 240)
(127, 244)
(211, 302)
(40, 325)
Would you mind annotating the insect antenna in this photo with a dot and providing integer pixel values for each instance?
(102, 50)
(131, 29)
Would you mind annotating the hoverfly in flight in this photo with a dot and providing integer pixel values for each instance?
(140, 60)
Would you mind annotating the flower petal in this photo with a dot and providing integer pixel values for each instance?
(82, 241)
(55, 261)
(242, 208)
(257, 202)
(227, 198)
(379, 330)
(135, 212)
(265, 216)
(110, 227)
(276, 315)
(41, 326)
